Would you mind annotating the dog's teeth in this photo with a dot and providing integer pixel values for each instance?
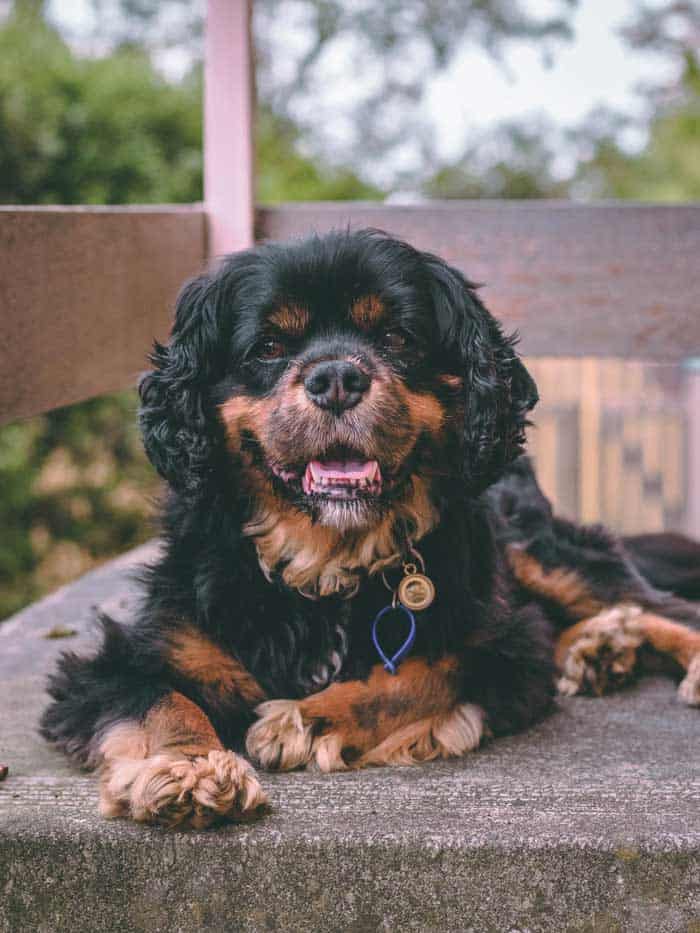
(307, 481)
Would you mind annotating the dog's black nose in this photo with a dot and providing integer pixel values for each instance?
(336, 385)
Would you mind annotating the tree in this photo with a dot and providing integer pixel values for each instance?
(66, 136)
(667, 168)
(388, 50)
(513, 161)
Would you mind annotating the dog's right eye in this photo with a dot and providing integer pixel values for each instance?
(270, 349)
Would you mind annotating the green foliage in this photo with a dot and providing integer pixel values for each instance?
(512, 162)
(390, 50)
(668, 168)
(93, 131)
(283, 174)
(113, 131)
(76, 489)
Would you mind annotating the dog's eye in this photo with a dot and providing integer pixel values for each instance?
(270, 349)
(394, 340)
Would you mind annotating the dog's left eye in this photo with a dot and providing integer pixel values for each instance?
(270, 349)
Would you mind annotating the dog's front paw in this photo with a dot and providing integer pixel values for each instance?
(284, 738)
(179, 791)
(281, 739)
(689, 687)
(600, 654)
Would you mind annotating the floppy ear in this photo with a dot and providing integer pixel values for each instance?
(180, 434)
(498, 390)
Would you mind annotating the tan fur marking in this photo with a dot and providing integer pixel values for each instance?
(323, 560)
(290, 319)
(668, 637)
(682, 644)
(412, 715)
(448, 735)
(602, 650)
(199, 659)
(177, 722)
(172, 769)
(427, 412)
(367, 312)
(124, 740)
(562, 586)
(599, 652)
(689, 687)
(451, 381)
(241, 413)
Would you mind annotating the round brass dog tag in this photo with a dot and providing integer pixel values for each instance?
(416, 591)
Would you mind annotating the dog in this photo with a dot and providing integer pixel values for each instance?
(358, 566)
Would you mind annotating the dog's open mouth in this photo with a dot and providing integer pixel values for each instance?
(336, 479)
(342, 479)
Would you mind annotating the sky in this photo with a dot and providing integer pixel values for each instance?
(596, 68)
(475, 93)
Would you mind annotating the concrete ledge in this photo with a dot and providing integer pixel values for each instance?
(590, 822)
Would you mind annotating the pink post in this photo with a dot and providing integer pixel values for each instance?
(228, 126)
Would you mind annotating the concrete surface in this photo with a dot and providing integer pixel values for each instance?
(591, 822)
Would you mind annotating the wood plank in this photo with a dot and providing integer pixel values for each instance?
(83, 293)
(578, 280)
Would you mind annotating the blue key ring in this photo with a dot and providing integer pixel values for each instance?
(391, 664)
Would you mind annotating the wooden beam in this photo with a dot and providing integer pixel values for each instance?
(83, 293)
(228, 126)
(576, 280)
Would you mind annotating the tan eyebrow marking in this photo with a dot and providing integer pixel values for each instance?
(367, 311)
(290, 319)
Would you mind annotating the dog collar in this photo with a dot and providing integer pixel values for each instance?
(415, 592)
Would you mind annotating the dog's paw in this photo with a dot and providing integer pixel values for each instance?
(179, 791)
(284, 738)
(603, 652)
(689, 687)
(449, 735)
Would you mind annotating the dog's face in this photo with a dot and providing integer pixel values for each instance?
(338, 393)
(339, 374)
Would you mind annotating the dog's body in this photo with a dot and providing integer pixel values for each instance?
(324, 414)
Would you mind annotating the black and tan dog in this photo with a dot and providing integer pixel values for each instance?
(331, 417)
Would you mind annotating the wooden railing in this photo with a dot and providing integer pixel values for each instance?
(575, 280)
(84, 291)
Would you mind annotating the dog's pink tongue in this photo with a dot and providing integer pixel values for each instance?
(335, 476)
(344, 471)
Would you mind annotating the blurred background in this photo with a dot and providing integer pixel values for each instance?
(403, 100)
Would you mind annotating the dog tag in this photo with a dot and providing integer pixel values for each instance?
(416, 591)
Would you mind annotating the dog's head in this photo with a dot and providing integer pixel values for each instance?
(338, 374)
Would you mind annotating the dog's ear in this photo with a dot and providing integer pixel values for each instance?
(498, 390)
(180, 433)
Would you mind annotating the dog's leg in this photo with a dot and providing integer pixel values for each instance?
(413, 715)
(599, 653)
(171, 768)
